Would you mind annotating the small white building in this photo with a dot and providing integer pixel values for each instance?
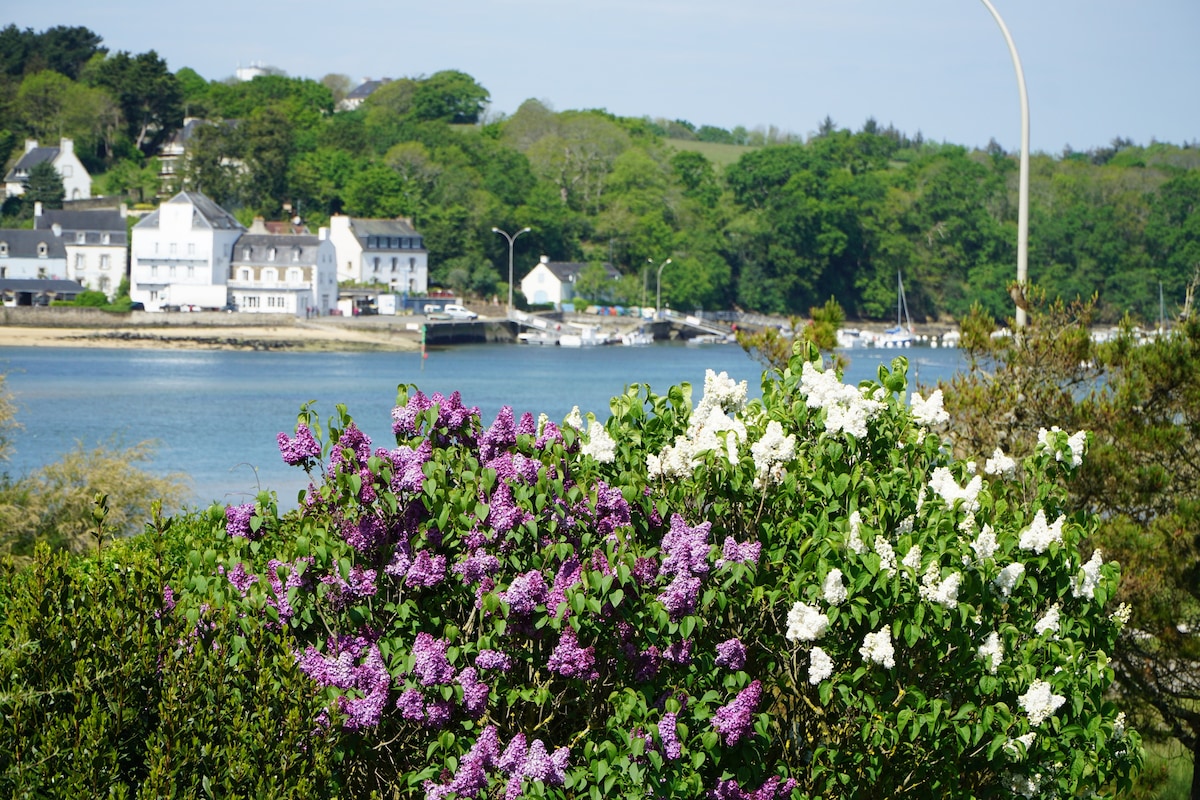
(181, 254)
(380, 251)
(284, 273)
(96, 244)
(77, 183)
(36, 254)
(554, 281)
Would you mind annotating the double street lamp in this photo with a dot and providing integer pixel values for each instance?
(510, 239)
(658, 287)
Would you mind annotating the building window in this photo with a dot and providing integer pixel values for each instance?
(377, 263)
(395, 263)
(174, 248)
(246, 253)
(269, 275)
(191, 271)
(3, 248)
(271, 254)
(295, 276)
(252, 302)
(43, 250)
(80, 238)
(66, 171)
(105, 283)
(41, 272)
(296, 254)
(79, 262)
(191, 248)
(153, 270)
(105, 263)
(172, 270)
(244, 274)
(105, 238)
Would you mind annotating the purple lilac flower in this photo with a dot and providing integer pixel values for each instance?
(527, 426)
(365, 534)
(731, 654)
(373, 680)
(452, 414)
(241, 580)
(572, 661)
(472, 777)
(525, 592)
(686, 549)
(647, 664)
(734, 552)
(168, 601)
(342, 670)
(493, 659)
(412, 705)
(477, 566)
(302, 450)
(404, 418)
(679, 652)
(513, 758)
(672, 747)
(568, 577)
(733, 721)
(296, 578)
(501, 435)
(408, 466)
(237, 521)
(645, 570)
(358, 443)
(361, 584)
(431, 666)
(549, 769)
(517, 468)
(550, 435)
(438, 713)
(401, 561)
(503, 512)
(775, 788)
(612, 511)
(681, 596)
(426, 570)
(475, 694)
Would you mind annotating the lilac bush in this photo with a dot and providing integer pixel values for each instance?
(803, 595)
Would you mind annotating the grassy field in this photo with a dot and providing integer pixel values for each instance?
(722, 155)
(1170, 763)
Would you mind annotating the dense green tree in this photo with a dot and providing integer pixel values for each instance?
(449, 96)
(266, 143)
(44, 186)
(149, 95)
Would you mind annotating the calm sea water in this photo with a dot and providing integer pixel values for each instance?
(214, 416)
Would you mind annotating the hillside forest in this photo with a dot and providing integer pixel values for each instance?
(754, 220)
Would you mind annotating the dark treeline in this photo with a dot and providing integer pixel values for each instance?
(778, 226)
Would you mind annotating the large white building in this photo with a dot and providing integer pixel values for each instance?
(380, 251)
(181, 254)
(283, 273)
(77, 183)
(96, 243)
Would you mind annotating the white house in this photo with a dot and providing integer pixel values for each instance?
(360, 93)
(380, 251)
(28, 255)
(181, 253)
(283, 273)
(77, 183)
(96, 245)
(554, 281)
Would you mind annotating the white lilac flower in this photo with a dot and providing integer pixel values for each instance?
(948, 489)
(1000, 464)
(1049, 622)
(906, 525)
(674, 462)
(707, 430)
(1025, 740)
(935, 589)
(1039, 702)
(991, 652)
(771, 451)
(806, 623)
(877, 647)
(721, 391)
(912, 559)
(1038, 536)
(834, 590)
(855, 541)
(845, 407)
(1086, 585)
(887, 556)
(929, 412)
(599, 445)
(1008, 578)
(820, 666)
(985, 543)
(574, 419)
(1119, 725)
(920, 499)
(967, 524)
(1076, 445)
(1123, 613)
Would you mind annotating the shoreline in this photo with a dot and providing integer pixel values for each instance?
(297, 338)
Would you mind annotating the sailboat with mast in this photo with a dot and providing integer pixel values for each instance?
(902, 334)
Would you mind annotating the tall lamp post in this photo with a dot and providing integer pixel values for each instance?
(1023, 180)
(510, 239)
(658, 287)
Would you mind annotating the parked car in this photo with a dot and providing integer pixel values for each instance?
(455, 311)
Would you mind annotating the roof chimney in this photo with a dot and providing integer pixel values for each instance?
(56, 229)
(30, 144)
(545, 259)
(37, 208)
(66, 146)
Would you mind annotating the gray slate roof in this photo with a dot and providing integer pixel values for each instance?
(370, 231)
(568, 271)
(206, 213)
(364, 89)
(24, 243)
(40, 285)
(90, 223)
(284, 244)
(30, 160)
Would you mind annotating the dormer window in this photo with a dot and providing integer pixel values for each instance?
(296, 254)
(105, 238)
(246, 253)
(43, 250)
(3, 248)
(80, 238)
(271, 254)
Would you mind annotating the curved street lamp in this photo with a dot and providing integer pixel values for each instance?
(1023, 180)
(658, 287)
(510, 239)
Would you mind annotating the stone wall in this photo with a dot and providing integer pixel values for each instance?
(70, 317)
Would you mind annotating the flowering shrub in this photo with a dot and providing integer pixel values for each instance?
(798, 595)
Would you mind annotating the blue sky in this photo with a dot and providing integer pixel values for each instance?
(1095, 69)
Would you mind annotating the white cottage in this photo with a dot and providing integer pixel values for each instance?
(77, 183)
(96, 243)
(554, 281)
(181, 254)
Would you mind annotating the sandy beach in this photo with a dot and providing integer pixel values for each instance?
(308, 336)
